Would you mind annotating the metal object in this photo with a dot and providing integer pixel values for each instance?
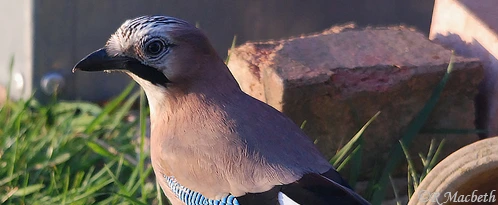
(17, 82)
(52, 83)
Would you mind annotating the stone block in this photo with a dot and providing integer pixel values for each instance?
(471, 29)
(337, 80)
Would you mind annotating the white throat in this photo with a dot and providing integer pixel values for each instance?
(155, 94)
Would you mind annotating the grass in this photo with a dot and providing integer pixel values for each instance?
(73, 153)
(81, 153)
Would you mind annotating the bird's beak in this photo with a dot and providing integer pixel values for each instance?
(99, 60)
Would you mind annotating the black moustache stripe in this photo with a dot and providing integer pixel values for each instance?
(148, 73)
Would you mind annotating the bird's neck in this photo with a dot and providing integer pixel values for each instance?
(172, 101)
(172, 114)
(191, 99)
(213, 80)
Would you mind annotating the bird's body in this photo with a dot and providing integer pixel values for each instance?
(209, 140)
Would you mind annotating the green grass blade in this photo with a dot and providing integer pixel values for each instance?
(28, 190)
(122, 188)
(9, 179)
(159, 194)
(435, 158)
(123, 110)
(131, 181)
(109, 108)
(411, 166)
(340, 156)
(131, 199)
(234, 41)
(90, 191)
(426, 161)
(356, 164)
(99, 149)
(345, 162)
(423, 159)
(409, 134)
(395, 190)
(66, 186)
(303, 124)
(410, 184)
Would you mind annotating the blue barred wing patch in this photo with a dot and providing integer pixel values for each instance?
(190, 197)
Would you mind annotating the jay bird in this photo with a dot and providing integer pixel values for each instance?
(211, 143)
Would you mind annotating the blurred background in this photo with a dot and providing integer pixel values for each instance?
(46, 38)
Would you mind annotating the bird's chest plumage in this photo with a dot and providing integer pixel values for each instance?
(190, 158)
(197, 171)
(212, 151)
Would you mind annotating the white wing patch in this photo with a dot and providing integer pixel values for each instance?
(285, 200)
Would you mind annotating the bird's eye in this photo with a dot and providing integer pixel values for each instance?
(155, 47)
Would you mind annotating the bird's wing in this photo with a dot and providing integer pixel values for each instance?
(243, 147)
(280, 141)
(319, 189)
(311, 189)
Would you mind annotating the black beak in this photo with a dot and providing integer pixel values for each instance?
(99, 60)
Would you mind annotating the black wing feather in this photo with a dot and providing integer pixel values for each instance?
(312, 189)
(265, 198)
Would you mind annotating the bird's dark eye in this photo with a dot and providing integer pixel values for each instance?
(154, 47)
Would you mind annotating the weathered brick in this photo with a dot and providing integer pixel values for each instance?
(339, 79)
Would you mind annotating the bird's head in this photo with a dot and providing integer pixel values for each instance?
(159, 53)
